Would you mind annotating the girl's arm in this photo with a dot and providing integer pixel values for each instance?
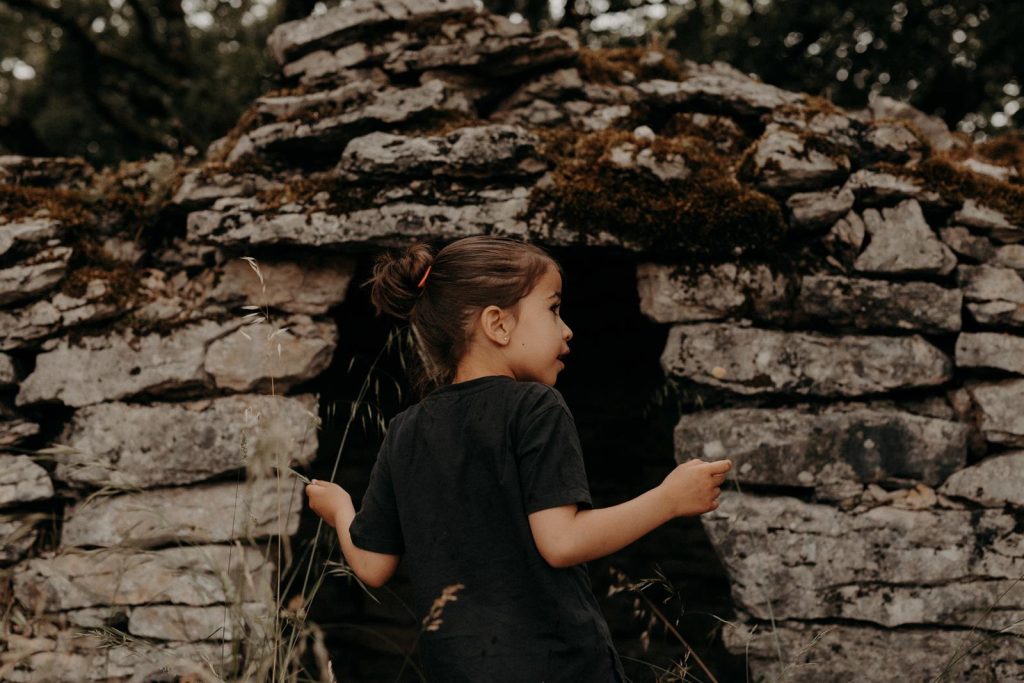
(334, 505)
(566, 536)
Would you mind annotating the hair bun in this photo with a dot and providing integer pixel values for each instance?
(396, 279)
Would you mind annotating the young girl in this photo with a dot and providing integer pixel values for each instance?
(481, 487)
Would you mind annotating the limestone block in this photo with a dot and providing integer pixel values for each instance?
(204, 513)
(22, 480)
(826, 450)
(888, 566)
(143, 446)
(261, 357)
(748, 360)
(868, 304)
(121, 365)
(33, 276)
(708, 293)
(185, 575)
(902, 242)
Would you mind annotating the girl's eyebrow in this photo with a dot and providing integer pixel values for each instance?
(556, 294)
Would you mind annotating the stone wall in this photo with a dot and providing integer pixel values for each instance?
(841, 290)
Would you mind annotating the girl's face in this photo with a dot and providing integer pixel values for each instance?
(540, 335)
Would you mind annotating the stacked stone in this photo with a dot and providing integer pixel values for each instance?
(156, 407)
(873, 528)
(866, 402)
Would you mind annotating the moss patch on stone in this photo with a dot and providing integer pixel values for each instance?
(1005, 150)
(940, 173)
(606, 65)
(708, 214)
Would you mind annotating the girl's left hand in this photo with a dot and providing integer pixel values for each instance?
(328, 500)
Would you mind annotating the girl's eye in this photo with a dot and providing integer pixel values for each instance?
(554, 308)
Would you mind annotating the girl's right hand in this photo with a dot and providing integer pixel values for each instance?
(693, 487)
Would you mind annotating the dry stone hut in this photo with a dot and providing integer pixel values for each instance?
(833, 299)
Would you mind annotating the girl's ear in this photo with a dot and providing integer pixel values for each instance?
(497, 324)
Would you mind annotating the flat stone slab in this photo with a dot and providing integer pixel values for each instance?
(343, 25)
(711, 293)
(186, 575)
(994, 223)
(993, 295)
(996, 481)
(34, 276)
(143, 446)
(834, 451)
(816, 652)
(499, 211)
(998, 405)
(73, 658)
(749, 360)
(122, 365)
(276, 357)
(204, 513)
(24, 326)
(15, 430)
(722, 86)
(27, 231)
(470, 152)
(866, 304)
(22, 480)
(990, 350)
(312, 287)
(789, 559)
(385, 108)
(190, 624)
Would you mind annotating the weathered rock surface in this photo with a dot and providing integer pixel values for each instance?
(22, 480)
(722, 87)
(748, 360)
(834, 451)
(74, 658)
(887, 566)
(784, 162)
(988, 220)
(867, 304)
(189, 624)
(994, 296)
(27, 232)
(712, 293)
(386, 108)
(994, 482)
(186, 575)
(46, 317)
(902, 242)
(812, 210)
(497, 211)
(206, 513)
(14, 430)
(19, 534)
(475, 151)
(311, 287)
(264, 357)
(343, 25)
(998, 404)
(34, 276)
(143, 446)
(122, 365)
(991, 350)
(815, 652)
(8, 372)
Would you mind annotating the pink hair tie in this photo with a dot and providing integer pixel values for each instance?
(420, 285)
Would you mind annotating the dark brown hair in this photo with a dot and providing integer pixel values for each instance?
(466, 276)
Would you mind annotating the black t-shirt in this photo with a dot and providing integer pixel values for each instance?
(451, 489)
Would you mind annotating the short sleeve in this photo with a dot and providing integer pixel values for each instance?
(376, 526)
(550, 459)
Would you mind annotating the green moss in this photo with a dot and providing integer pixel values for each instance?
(708, 214)
(943, 175)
